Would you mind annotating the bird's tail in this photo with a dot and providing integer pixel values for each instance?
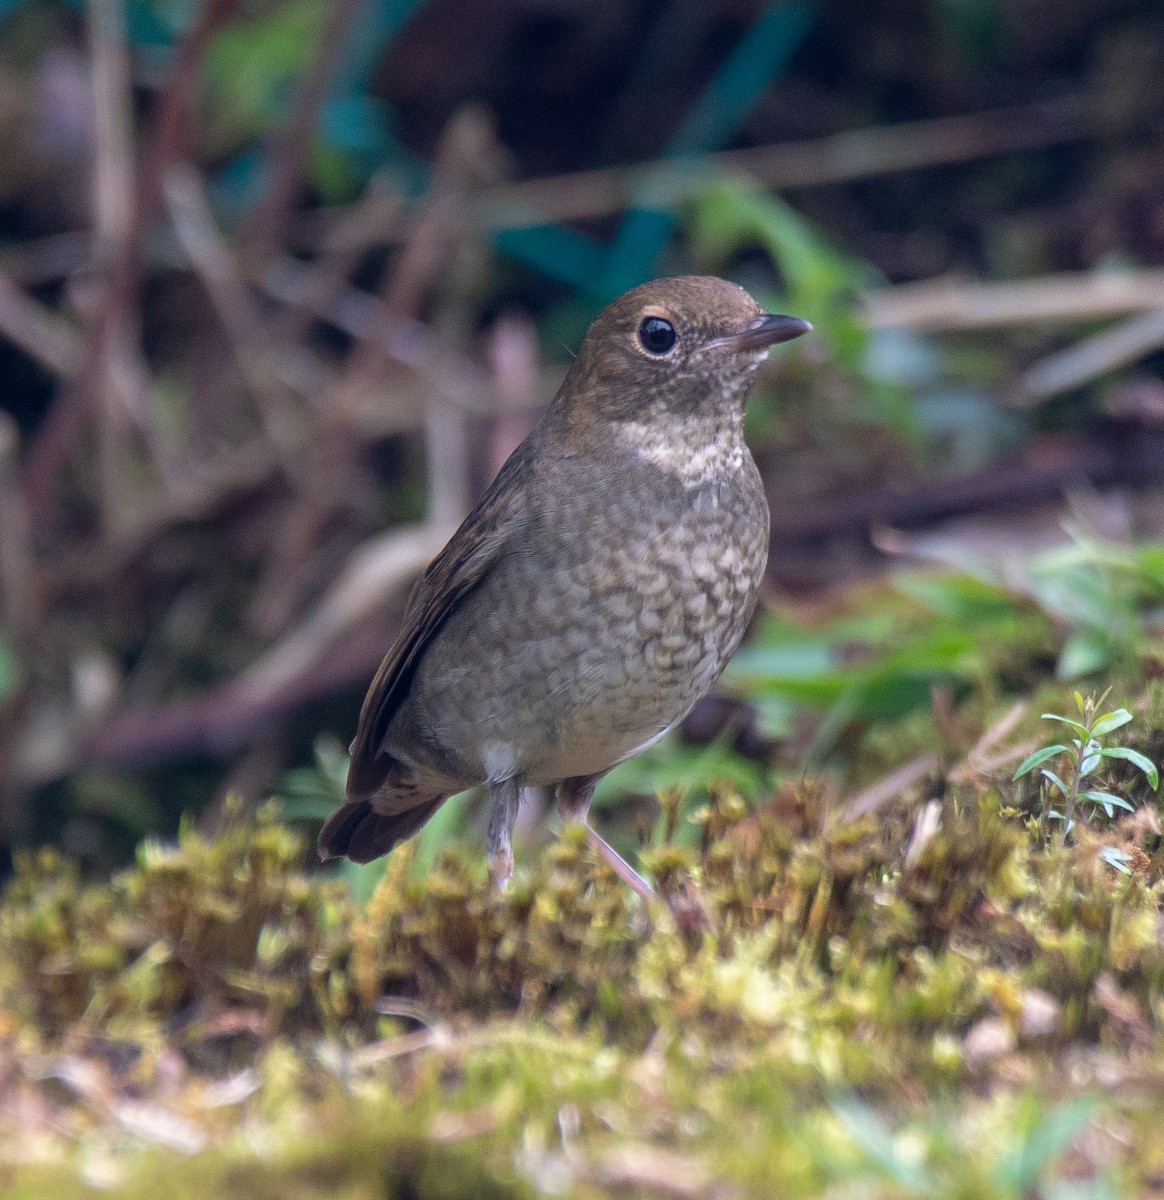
(357, 831)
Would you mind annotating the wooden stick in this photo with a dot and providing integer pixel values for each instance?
(889, 788)
(236, 309)
(839, 158)
(291, 147)
(962, 304)
(19, 590)
(1089, 359)
(45, 337)
(113, 186)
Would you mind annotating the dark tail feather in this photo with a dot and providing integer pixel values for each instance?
(355, 831)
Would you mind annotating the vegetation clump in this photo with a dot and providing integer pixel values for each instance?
(926, 1000)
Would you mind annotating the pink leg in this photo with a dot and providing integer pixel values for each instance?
(503, 802)
(574, 805)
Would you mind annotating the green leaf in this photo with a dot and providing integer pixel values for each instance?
(794, 660)
(691, 769)
(963, 598)
(250, 66)
(1038, 758)
(1106, 798)
(1110, 721)
(1089, 763)
(1083, 653)
(1066, 721)
(1040, 1143)
(9, 671)
(1136, 759)
(1149, 562)
(1048, 774)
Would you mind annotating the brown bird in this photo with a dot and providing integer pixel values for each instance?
(593, 595)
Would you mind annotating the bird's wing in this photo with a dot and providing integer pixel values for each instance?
(464, 562)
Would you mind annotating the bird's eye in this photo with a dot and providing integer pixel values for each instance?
(657, 335)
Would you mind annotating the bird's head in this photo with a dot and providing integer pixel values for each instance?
(688, 346)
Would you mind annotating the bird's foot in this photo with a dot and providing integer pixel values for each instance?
(504, 798)
(500, 867)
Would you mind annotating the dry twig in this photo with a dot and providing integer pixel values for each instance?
(889, 788)
(963, 304)
(39, 332)
(374, 573)
(1089, 359)
(118, 242)
(858, 154)
(984, 758)
(238, 313)
(19, 588)
(114, 331)
(267, 225)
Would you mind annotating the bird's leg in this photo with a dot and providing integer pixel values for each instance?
(503, 802)
(574, 805)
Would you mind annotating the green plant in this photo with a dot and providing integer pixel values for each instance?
(9, 670)
(1106, 595)
(1085, 756)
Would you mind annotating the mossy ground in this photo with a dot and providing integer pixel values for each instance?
(896, 1006)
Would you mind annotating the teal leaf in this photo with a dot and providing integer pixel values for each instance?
(1020, 1172)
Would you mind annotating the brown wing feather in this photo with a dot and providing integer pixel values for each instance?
(456, 570)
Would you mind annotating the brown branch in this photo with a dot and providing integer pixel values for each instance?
(222, 719)
(194, 493)
(336, 647)
(1044, 472)
(1089, 359)
(366, 318)
(19, 586)
(40, 333)
(962, 304)
(374, 219)
(114, 322)
(169, 137)
(839, 158)
(238, 313)
(375, 572)
(118, 265)
(43, 260)
(267, 227)
(889, 788)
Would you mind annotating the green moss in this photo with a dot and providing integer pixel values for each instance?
(854, 1012)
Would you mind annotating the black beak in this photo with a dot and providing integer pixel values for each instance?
(767, 329)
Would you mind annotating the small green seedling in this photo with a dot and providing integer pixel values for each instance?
(1084, 756)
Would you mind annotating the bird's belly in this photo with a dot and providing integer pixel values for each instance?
(565, 667)
(575, 701)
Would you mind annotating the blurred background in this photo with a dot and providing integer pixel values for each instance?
(282, 282)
